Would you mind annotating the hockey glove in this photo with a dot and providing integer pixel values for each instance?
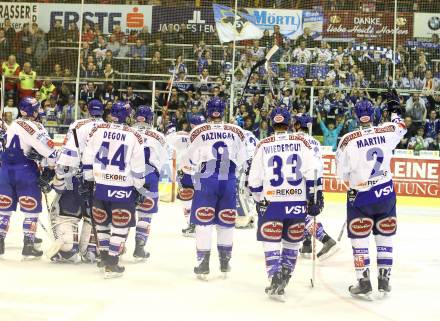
(314, 208)
(34, 155)
(262, 207)
(85, 189)
(139, 198)
(45, 178)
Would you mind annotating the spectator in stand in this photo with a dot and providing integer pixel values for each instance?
(430, 83)
(302, 54)
(72, 34)
(435, 145)
(89, 71)
(124, 49)
(99, 51)
(432, 125)
(109, 94)
(11, 108)
(47, 89)
(89, 91)
(158, 46)
(57, 32)
(117, 32)
(416, 108)
(11, 70)
(157, 65)
(287, 82)
(114, 45)
(418, 142)
(88, 34)
(352, 122)
(27, 80)
(23, 38)
(330, 132)
(5, 46)
(411, 131)
(383, 71)
(138, 51)
(40, 49)
(422, 66)
(307, 37)
(67, 113)
(401, 81)
(110, 60)
(323, 55)
(9, 31)
(134, 99)
(414, 83)
(322, 103)
(144, 36)
(277, 37)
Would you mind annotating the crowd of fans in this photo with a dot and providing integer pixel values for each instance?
(121, 66)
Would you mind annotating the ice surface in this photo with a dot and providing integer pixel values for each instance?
(164, 288)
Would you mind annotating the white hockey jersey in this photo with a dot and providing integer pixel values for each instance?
(215, 143)
(155, 148)
(363, 157)
(251, 143)
(280, 168)
(114, 159)
(179, 141)
(26, 134)
(70, 154)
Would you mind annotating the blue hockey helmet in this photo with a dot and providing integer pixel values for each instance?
(215, 107)
(120, 110)
(96, 107)
(145, 112)
(196, 120)
(280, 115)
(304, 120)
(29, 106)
(364, 111)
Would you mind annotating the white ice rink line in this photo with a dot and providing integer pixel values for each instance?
(165, 289)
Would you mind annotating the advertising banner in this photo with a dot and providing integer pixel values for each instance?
(372, 27)
(19, 13)
(197, 20)
(412, 176)
(129, 17)
(291, 22)
(426, 24)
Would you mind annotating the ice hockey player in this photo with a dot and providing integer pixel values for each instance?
(283, 181)
(214, 154)
(114, 171)
(245, 203)
(20, 180)
(179, 141)
(363, 162)
(69, 206)
(156, 156)
(301, 126)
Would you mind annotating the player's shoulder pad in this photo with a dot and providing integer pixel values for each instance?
(79, 123)
(138, 136)
(98, 127)
(196, 131)
(156, 135)
(235, 129)
(386, 128)
(266, 140)
(182, 133)
(29, 126)
(301, 138)
(347, 138)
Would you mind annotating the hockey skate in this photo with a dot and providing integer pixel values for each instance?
(224, 263)
(29, 251)
(329, 248)
(275, 290)
(66, 257)
(384, 282)
(202, 270)
(189, 231)
(102, 260)
(139, 253)
(37, 242)
(112, 269)
(2, 245)
(363, 289)
(306, 249)
(89, 257)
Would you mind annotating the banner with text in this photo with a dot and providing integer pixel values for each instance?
(291, 22)
(129, 17)
(196, 20)
(18, 13)
(412, 176)
(372, 27)
(426, 24)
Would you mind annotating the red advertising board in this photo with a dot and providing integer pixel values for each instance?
(412, 176)
(373, 27)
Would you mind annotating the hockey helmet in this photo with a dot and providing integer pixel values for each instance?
(120, 110)
(215, 107)
(96, 107)
(144, 113)
(280, 115)
(364, 111)
(196, 120)
(29, 106)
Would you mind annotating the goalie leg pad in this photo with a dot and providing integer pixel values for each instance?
(64, 227)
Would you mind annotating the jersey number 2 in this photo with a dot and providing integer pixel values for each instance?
(376, 154)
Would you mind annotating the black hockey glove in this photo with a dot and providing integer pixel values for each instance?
(393, 102)
(34, 155)
(314, 209)
(45, 179)
(262, 207)
(139, 198)
(85, 189)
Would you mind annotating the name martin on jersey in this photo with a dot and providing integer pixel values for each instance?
(371, 141)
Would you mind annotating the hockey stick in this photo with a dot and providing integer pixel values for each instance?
(257, 65)
(342, 230)
(315, 197)
(86, 200)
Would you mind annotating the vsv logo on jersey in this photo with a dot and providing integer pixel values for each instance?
(384, 191)
(119, 194)
(298, 209)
